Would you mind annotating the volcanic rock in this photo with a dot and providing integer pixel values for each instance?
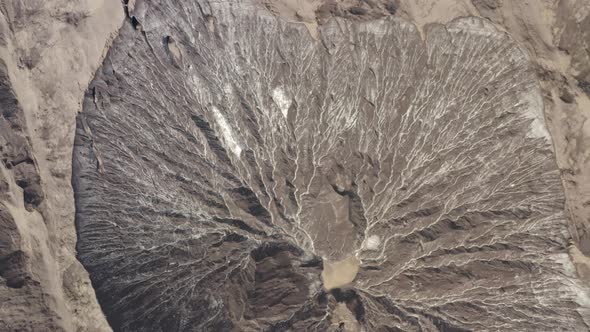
(212, 192)
(295, 165)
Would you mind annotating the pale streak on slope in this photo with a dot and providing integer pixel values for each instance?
(282, 100)
(227, 132)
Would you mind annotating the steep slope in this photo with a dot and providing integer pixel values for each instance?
(555, 35)
(234, 173)
(49, 51)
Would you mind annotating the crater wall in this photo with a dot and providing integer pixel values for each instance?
(224, 157)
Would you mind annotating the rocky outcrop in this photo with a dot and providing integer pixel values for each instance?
(49, 51)
(225, 159)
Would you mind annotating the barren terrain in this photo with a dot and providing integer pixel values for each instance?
(295, 165)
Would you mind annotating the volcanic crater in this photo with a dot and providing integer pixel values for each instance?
(233, 172)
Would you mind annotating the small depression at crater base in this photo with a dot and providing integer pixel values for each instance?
(341, 273)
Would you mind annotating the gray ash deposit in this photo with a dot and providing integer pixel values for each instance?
(233, 173)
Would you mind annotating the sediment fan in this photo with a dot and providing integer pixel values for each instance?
(233, 173)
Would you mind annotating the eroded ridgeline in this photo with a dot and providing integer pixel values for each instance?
(239, 158)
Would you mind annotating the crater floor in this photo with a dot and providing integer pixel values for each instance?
(232, 172)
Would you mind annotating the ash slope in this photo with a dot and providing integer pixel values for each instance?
(223, 156)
